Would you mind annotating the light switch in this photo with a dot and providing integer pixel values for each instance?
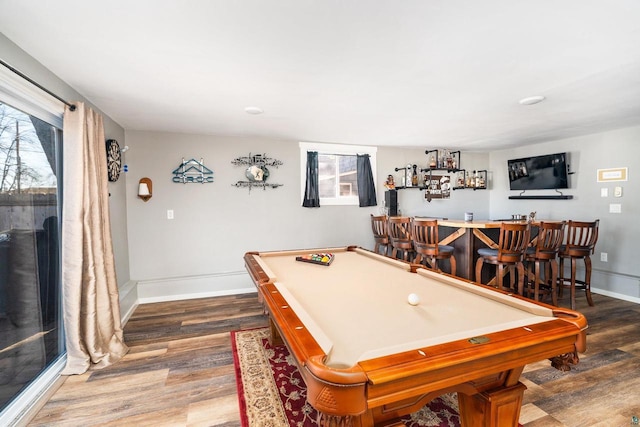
(615, 208)
(604, 192)
(170, 214)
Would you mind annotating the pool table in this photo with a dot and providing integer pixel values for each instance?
(368, 357)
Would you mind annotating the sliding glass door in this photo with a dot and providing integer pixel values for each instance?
(31, 335)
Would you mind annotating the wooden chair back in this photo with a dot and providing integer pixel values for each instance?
(513, 242)
(379, 227)
(399, 229)
(426, 244)
(400, 237)
(550, 238)
(425, 236)
(582, 237)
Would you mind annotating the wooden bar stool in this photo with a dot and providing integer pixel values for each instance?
(400, 237)
(513, 241)
(544, 254)
(379, 227)
(425, 243)
(581, 243)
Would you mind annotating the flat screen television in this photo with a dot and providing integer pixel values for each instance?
(546, 172)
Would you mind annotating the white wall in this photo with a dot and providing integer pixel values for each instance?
(202, 248)
(216, 223)
(412, 202)
(200, 252)
(16, 57)
(25, 406)
(619, 233)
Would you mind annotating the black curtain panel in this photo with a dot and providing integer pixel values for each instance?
(366, 186)
(311, 190)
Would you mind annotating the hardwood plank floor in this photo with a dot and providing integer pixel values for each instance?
(179, 371)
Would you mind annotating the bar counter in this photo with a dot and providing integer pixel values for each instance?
(467, 237)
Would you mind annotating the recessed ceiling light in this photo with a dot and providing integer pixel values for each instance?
(253, 110)
(532, 100)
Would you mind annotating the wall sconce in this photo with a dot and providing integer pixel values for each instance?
(145, 189)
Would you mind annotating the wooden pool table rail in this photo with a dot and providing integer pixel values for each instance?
(486, 375)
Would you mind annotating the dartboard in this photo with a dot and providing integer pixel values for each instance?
(114, 160)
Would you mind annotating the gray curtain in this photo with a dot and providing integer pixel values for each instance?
(366, 186)
(91, 307)
(311, 189)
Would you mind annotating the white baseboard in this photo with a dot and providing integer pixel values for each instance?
(190, 287)
(615, 295)
(615, 285)
(621, 286)
(128, 300)
(212, 285)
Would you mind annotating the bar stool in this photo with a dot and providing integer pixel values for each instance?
(581, 243)
(513, 241)
(380, 234)
(425, 243)
(548, 242)
(400, 237)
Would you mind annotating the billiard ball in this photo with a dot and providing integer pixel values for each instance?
(413, 299)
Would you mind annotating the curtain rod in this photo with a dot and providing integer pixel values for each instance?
(38, 85)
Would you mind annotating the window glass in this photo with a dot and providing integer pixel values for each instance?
(337, 171)
(337, 176)
(31, 336)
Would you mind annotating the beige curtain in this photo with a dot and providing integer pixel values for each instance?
(91, 307)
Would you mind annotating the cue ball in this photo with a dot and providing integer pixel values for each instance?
(413, 299)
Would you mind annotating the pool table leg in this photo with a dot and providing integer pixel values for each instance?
(499, 407)
(275, 339)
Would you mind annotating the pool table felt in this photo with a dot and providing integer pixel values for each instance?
(357, 308)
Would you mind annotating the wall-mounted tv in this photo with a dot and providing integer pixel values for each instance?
(546, 172)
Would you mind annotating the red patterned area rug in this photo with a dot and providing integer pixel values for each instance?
(272, 393)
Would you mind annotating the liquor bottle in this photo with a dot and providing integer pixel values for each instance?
(407, 172)
(414, 177)
(432, 162)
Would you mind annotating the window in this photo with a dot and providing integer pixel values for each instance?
(337, 171)
(31, 333)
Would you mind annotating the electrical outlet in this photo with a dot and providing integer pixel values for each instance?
(604, 257)
(617, 192)
(170, 214)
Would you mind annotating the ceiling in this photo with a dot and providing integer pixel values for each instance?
(411, 73)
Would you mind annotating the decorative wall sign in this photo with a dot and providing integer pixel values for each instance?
(256, 172)
(615, 174)
(439, 187)
(192, 171)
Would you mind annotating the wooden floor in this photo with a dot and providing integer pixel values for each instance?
(179, 371)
